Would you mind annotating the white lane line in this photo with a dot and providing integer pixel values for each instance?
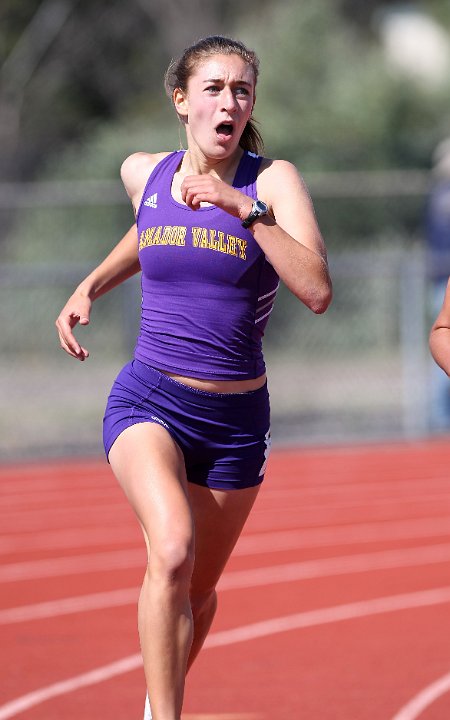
(291, 572)
(324, 616)
(317, 506)
(312, 618)
(261, 543)
(73, 565)
(26, 702)
(115, 560)
(81, 515)
(60, 496)
(342, 565)
(222, 716)
(126, 534)
(424, 699)
(395, 487)
(252, 544)
(69, 606)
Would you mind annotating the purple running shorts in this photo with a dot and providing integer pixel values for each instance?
(224, 437)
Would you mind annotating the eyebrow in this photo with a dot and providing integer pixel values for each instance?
(221, 80)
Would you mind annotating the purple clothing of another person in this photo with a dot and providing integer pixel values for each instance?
(207, 288)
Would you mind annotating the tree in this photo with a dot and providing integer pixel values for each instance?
(71, 63)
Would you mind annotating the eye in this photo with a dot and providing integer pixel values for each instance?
(213, 89)
(242, 91)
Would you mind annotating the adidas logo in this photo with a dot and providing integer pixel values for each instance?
(152, 201)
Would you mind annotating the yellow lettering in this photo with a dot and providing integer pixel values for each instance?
(169, 235)
(242, 248)
(196, 236)
(156, 237)
(222, 247)
(180, 235)
(231, 245)
(146, 238)
(216, 240)
(213, 243)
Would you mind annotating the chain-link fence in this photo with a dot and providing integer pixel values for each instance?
(360, 371)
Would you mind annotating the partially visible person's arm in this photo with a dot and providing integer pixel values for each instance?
(121, 263)
(440, 335)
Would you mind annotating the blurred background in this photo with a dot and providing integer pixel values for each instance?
(355, 92)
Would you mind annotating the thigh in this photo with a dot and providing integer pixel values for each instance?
(149, 466)
(219, 517)
(232, 445)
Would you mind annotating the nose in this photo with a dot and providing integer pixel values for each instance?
(228, 100)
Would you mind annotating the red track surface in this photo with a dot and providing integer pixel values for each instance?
(347, 554)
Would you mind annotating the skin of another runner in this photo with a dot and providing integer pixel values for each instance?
(440, 335)
(190, 529)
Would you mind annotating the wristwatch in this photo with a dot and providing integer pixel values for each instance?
(259, 208)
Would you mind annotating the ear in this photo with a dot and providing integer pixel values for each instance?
(180, 102)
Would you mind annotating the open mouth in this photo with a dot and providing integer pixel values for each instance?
(225, 129)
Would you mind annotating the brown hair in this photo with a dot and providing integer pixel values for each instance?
(180, 70)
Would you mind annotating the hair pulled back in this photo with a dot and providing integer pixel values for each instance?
(180, 70)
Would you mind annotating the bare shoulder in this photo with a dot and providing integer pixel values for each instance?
(280, 176)
(135, 171)
(282, 187)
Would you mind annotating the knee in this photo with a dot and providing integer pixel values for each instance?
(171, 561)
(203, 604)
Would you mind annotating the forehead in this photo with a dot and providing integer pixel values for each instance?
(226, 68)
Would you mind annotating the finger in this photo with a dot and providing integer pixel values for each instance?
(82, 317)
(187, 194)
(184, 190)
(67, 348)
(195, 202)
(68, 340)
(82, 354)
(191, 200)
(191, 186)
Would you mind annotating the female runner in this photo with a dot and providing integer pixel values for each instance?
(186, 428)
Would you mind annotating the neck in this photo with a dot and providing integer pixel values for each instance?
(196, 163)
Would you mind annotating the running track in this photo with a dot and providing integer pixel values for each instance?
(334, 606)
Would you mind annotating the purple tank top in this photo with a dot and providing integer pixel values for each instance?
(207, 288)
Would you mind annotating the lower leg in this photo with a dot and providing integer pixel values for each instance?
(165, 631)
(203, 615)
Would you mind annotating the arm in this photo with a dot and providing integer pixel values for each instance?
(290, 239)
(440, 335)
(120, 264)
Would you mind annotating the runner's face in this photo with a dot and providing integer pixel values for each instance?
(218, 103)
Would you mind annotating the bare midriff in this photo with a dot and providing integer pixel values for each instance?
(219, 386)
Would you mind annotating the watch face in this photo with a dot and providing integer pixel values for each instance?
(261, 207)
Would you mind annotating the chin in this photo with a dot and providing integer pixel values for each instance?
(225, 148)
